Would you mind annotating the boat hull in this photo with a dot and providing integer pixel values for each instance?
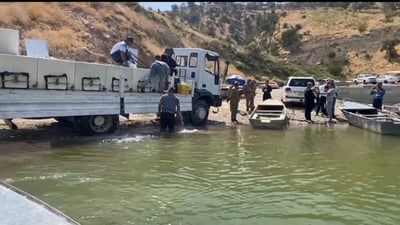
(270, 114)
(269, 124)
(381, 126)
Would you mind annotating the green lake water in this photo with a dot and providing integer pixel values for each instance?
(303, 176)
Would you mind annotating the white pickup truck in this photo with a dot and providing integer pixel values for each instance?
(365, 79)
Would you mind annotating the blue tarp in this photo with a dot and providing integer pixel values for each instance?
(238, 78)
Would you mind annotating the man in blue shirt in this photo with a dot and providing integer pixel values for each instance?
(378, 92)
(120, 52)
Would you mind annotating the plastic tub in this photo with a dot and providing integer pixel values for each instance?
(9, 41)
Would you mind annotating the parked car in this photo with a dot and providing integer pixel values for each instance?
(293, 91)
(395, 74)
(365, 79)
(327, 79)
(387, 79)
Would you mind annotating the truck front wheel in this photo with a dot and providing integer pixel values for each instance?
(98, 124)
(199, 114)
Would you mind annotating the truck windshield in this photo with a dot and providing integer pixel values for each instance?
(212, 64)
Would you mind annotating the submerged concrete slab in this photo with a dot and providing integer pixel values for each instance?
(20, 208)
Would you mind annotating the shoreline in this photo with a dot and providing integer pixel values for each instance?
(147, 122)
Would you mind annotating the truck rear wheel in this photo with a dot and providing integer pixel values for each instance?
(199, 115)
(97, 124)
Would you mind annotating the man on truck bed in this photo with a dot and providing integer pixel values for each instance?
(159, 68)
(167, 57)
(120, 52)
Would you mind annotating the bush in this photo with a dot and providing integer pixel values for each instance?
(335, 68)
(285, 25)
(332, 54)
(291, 39)
(298, 26)
(390, 47)
(303, 16)
(362, 26)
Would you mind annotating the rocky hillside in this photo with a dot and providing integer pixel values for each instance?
(345, 38)
(258, 40)
(355, 38)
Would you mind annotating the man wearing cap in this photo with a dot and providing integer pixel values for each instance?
(120, 52)
(168, 106)
(167, 57)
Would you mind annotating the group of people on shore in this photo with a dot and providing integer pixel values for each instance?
(322, 98)
(250, 93)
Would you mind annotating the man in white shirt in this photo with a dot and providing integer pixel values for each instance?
(322, 98)
(335, 87)
(120, 52)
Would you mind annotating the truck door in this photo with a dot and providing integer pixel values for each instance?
(193, 69)
(211, 74)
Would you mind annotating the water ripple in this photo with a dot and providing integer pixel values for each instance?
(232, 177)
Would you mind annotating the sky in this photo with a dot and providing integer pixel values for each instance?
(159, 5)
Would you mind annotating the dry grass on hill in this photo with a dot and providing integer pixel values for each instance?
(82, 30)
(342, 25)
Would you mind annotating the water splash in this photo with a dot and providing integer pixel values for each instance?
(185, 131)
(131, 139)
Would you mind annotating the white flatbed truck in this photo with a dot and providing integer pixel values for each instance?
(93, 95)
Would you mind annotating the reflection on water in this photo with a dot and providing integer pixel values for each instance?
(307, 175)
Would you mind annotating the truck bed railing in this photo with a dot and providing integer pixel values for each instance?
(12, 79)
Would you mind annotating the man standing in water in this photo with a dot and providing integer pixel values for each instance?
(378, 92)
(168, 106)
(234, 98)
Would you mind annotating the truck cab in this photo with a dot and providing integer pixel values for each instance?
(201, 68)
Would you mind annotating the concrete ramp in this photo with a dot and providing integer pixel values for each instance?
(20, 208)
(361, 94)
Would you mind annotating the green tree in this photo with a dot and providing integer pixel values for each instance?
(335, 68)
(390, 47)
(291, 39)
